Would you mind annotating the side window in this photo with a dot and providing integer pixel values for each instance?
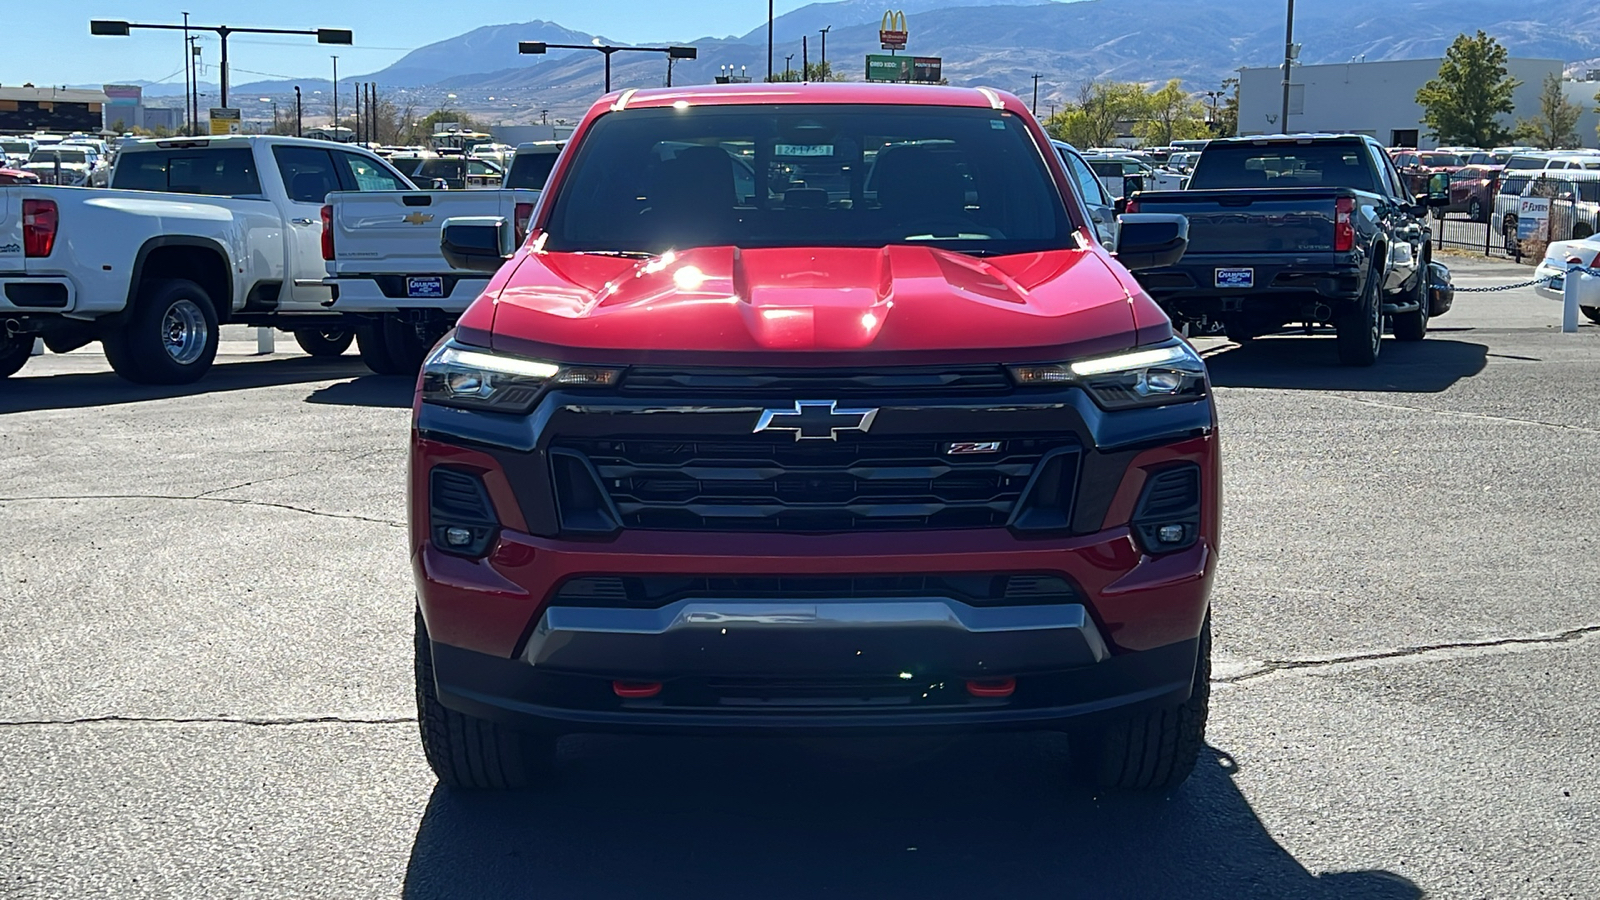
(308, 173)
(1088, 185)
(366, 175)
(1387, 173)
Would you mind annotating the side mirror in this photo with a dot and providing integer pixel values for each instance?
(1151, 240)
(1439, 189)
(477, 243)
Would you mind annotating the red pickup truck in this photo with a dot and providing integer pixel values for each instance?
(812, 408)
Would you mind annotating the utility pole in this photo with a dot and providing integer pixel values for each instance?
(194, 99)
(299, 111)
(786, 68)
(769, 40)
(1288, 65)
(188, 71)
(335, 97)
(823, 66)
(805, 59)
(1036, 78)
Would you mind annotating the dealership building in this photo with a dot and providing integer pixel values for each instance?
(1380, 99)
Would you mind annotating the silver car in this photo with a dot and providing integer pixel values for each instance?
(1574, 208)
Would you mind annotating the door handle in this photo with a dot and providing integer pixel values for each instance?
(300, 222)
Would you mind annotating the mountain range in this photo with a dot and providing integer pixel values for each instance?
(1065, 43)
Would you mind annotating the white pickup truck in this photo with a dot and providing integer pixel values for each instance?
(193, 233)
(384, 266)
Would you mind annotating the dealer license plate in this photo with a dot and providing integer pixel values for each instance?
(428, 287)
(1236, 278)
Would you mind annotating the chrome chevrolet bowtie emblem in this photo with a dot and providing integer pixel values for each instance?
(816, 420)
(417, 218)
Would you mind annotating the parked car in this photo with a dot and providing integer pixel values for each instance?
(1472, 190)
(55, 164)
(17, 176)
(454, 172)
(194, 233)
(1304, 228)
(1102, 206)
(915, 457)
(532, 163)
(1418, 166)
(1557, 257)
(1496, 158)
(1574, 204)
(1182, 161)
(14, 152)
(1122, 175)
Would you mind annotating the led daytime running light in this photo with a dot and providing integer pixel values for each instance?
(1138, 359)
(489, 362)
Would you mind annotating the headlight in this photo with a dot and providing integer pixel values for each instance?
(1153, 376)
(454, 375)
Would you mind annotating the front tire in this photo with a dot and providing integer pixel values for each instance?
(14, 352)
(170, 338)
(1413, 326)
(471, 753)
(1154, 750)
(1591, 313)
(1359, 327)
(324, 343)
(406, 347)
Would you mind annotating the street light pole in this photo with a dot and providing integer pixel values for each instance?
(299, 112)
(786, 68)
(769, 40)
(1036, 95)
(805, 59)
(120, 28)
(335, 97)
(541, 47)
(823, 66)
(1288, 63)
(188, 70)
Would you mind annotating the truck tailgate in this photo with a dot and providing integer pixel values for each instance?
(397, 232)
(1251, 221)
(11, 258)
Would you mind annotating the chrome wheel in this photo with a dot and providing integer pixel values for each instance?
(184, 332)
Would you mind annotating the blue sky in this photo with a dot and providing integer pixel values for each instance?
(49, 43)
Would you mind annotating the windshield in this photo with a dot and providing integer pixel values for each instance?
(1224, 166)
(808, 176)
(66, 155)
(1525, 162)
(1440, 159)
(15, 147)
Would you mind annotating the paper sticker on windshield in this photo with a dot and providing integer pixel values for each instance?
(997, 125)
(803, 150)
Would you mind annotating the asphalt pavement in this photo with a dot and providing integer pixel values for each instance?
(205, 614)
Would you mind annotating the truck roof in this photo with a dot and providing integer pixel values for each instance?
(805, 92)
(1290, 138)
(225, 140)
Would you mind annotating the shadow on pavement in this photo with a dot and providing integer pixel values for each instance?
(390, 391)
(104, 388)
(982, 817)
(1312, 364)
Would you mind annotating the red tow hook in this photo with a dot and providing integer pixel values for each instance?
(989, 688)
(635, 690)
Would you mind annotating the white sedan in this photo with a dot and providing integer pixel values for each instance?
(1557, 257)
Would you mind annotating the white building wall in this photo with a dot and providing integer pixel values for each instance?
(1375, 98)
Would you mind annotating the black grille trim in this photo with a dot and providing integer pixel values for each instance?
(776, 484)
(1170, 497)
(458, 500)
(655, 591)
(900, 381)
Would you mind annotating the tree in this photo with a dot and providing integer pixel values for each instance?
(1095, 119)
(1226, 121)
(1171, 114)
(1556, 125)
(1461, 105)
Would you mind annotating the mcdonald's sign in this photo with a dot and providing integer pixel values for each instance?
(892, 31)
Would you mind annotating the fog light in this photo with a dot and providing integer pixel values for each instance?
(461, 537)
(1170, 534)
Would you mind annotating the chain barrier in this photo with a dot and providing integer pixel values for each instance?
(1582, 270)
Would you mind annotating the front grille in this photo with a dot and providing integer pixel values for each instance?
(900, 381)
(655, 591)
(775, 483)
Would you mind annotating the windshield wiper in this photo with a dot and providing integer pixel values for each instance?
(625, 254)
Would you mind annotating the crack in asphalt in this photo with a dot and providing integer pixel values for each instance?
(1507, 420)
(1275, 666)
(295, 474)
(208, 720)
(237, 501)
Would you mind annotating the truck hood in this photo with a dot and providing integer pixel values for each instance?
(821, 306)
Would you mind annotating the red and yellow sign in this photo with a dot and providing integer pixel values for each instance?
(892, 31)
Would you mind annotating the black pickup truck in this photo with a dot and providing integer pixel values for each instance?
(1318, 229)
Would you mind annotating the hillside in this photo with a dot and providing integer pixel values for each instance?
(1201, 41)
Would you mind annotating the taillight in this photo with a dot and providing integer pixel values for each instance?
(39, 221)
(1131, 207)
(1344, 233)
(524, 219)
(327, 233)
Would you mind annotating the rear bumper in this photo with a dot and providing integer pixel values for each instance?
(38, 294)
(1274, 279)
(387, 293)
